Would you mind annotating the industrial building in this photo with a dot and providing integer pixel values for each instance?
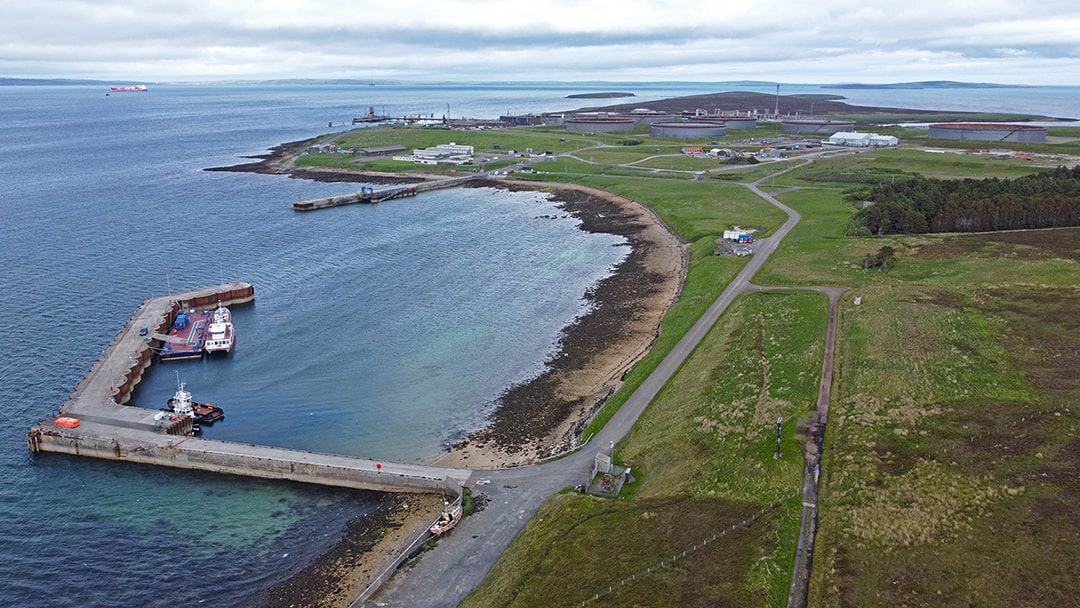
(450, 153)
(861, 140)
(989, 132)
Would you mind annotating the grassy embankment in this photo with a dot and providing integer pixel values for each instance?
(951, 466)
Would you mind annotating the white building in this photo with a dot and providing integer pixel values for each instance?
(861, 140)
(450, 153)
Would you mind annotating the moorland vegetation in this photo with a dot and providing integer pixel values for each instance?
(951, 466)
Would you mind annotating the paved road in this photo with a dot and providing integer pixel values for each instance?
(445, 576)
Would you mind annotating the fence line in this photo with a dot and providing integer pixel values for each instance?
(665, 562)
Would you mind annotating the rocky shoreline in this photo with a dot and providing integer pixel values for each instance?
(532, 420)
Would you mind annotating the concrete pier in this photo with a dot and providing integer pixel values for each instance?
(365, 195)
(110, 430)
(371, 195)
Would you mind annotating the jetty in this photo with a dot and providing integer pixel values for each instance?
(99, 422)
(370, 195)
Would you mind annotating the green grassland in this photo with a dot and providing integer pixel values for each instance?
(951, 459)
(874, 165)
(703, 456)
(950, 469)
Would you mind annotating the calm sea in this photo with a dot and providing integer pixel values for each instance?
(381, 331)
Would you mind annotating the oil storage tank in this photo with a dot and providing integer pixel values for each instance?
(984, 131)
(816, 126)
(594, 124)
(688, 130)
(732, 122)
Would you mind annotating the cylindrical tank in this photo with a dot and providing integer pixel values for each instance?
(648, 117)
(599, 125)
(988, 132)
(732, 122)
(816, 126)
(688, 130)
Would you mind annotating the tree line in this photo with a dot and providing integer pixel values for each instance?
(919, 204)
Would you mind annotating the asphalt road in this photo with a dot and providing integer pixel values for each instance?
(444, 576)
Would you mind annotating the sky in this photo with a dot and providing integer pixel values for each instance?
(1034, 42)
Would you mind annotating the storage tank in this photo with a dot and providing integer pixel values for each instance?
(645, 116)
(688, 130)
(599, 125)
(1030, 134)
(732, 122)
(816, 126)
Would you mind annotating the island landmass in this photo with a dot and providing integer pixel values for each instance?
(602, 95)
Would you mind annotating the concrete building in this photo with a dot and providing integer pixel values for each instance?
(450, 153)
(379, 150)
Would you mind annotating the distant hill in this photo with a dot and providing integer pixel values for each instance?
(608, 95)
(926, 84)
(55, 81)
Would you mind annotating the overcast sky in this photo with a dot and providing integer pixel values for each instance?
(798, 41)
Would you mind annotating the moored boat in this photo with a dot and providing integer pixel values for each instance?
(447, 520)
(181, 404)
(222, 334)
(186, 337)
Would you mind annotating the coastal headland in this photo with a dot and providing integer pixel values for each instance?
(596, 350)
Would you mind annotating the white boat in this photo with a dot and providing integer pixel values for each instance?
(181, 404)
(221, 336)
(447, 520)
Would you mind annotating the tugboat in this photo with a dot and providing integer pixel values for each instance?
(447, 520)
(203, 413)
(222, 335)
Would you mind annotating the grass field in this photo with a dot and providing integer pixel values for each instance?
(951, 459)
(703, 456)
(951, 470)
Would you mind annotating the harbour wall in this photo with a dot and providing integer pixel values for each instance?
(128, 361)
(253, 461)
(110, 430)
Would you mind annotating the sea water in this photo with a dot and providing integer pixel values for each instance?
(381, 331)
